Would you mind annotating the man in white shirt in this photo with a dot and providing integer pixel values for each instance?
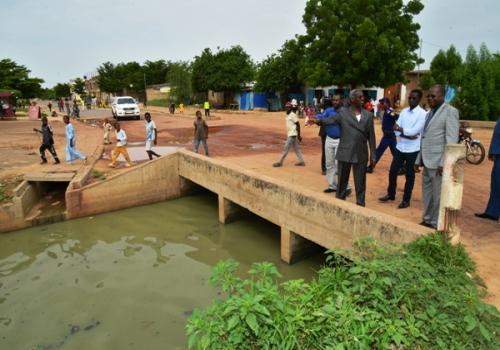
(293, 134)
(151, 136)
(408, 129)
(120, 148)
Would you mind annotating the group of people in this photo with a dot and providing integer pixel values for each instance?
(415, 137)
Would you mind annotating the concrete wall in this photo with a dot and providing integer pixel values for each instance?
(12, 215)
(326, 221)
(151, 182)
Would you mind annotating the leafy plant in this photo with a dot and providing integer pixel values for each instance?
(419, 296)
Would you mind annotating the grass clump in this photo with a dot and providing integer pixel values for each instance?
(159, 103)
(98, 175)
(420, 296)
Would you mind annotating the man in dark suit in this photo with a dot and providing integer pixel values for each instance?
(357, 133)
(492, 211)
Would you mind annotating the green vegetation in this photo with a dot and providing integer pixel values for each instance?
(179, 77)
(163, 102)
(280, 72)
(477, 80)
(353, 42)
(99, 175)
(15, 78)
(225, 70)
(419, 296)
(3, 193)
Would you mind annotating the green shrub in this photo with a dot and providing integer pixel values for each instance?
(159, 103)
(419, 296)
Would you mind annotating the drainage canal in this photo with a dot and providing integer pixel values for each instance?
(125, 279)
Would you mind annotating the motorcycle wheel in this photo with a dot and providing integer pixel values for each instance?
(475, 153)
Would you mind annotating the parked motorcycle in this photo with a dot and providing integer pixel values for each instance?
(474, 150)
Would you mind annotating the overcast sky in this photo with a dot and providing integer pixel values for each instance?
(63, 39)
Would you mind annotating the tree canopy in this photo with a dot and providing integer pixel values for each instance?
(446, 68)
(62, 90)
(281, 71)
(356, 42)
(226, 70)
(179, 78)
(479, 92)
(15, 77)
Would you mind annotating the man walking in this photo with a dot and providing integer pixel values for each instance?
(492, 211)
(120, 148)
(357, 134)
(389, 137)
(332, 140)
(206, 107)
(409, 129)
(71, 152)
(47, 141)
(200, 133)
(151, 136)
(293, 134)
(440, 128)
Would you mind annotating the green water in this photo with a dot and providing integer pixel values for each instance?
(127, 279)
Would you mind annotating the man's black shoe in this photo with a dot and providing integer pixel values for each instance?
(403, 205)
(348, 192)
(369, 169)
(426, 224)
(386, 198)
(486, 216)
(329, 190)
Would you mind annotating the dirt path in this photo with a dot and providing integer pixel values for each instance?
(255, 140)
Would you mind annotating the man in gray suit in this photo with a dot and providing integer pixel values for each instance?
(440, 128)
(356, 125)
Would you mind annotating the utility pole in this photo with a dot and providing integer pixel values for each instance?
(419, 59)
(145, 93)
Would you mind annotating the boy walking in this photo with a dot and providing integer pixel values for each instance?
(47, 141)
(151, 135)
(200, 133)
(293, 134)
(71, 151)
(120, 148)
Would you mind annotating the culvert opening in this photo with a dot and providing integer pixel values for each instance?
(50, 203)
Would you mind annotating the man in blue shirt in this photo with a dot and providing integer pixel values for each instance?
(332, 140)
(492, 211)
(389, 137)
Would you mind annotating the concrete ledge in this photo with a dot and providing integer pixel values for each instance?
(84, 172)
(150, 182)
(326, 221)
(480, 124)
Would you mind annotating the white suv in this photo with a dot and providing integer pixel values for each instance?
(124, 107)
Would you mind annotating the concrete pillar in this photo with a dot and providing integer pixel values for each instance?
(227, 209)
(451, 189)
(294, 247)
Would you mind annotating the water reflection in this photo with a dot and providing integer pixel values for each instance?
(137, 273)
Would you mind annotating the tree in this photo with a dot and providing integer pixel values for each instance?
(447, 67)
(16, 77)
(346, 45)
(280, 72)
(479, 93)
(156, 71)
(62, 90)
(179, 77)
(79, 86)
(227, 70)
(203, 68)
(115, 78)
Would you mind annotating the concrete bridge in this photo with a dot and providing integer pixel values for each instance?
(304, 216)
